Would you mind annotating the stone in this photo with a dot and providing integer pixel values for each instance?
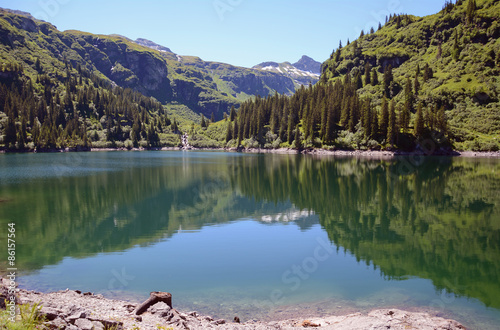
(161, 309)
(115, 325)
(84, 324)
(49, 313)
(129, 308)
(58, 323)
(98, 325)
(78, 315)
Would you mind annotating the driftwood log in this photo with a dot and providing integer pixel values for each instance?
(154, 297)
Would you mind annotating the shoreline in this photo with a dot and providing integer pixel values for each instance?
(69, 309)
(311, 151)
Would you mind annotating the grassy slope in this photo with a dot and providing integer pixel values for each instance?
(467, 84)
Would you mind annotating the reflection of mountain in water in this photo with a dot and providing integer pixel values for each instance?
(439, 220)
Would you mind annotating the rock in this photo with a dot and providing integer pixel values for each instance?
(219, 322)
(129, 307)
(49, 313)
(236, 319)
(84, 324)
(161, 309)
(308, 324)
(115, 325)
(58, 323)
(73, 317)
(72, 327)
(98, 325)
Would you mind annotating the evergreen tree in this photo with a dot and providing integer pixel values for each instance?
(384, 117)
(442, 124)
(232, 113)
(367, 74)
(374, 79)
(419, 122)
(10, 132)
(471, 11)
(392, 127)
(388, 78)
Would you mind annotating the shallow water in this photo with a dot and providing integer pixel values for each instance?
(261, 236)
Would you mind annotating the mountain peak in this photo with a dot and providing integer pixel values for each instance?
(308, 64)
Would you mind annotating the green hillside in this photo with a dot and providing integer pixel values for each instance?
(414, 81)
(452, 59)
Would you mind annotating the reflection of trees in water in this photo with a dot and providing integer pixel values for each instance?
(439, 220)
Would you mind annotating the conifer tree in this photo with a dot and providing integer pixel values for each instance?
(391, 128)
(229, 132)
(374, 79)
(384, 117)
(471, 11)
(367, 74)
(419, 121)
(388, 78)
(232, 114)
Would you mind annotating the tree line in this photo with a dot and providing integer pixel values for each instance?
(69, 109)
(325, 114)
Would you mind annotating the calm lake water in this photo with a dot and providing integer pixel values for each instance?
(260, 236)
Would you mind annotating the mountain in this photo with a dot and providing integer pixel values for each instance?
(149, 68)
(428, 83)
(303, 72)
(308, 64)
(237, 82)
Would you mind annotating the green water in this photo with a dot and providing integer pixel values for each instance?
(260, 236)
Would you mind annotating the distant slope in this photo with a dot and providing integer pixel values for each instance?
(303, 72)
(238, 82)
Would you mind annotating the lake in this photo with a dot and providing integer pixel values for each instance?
(260, 236)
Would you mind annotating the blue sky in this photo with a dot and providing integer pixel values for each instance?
(239, 32)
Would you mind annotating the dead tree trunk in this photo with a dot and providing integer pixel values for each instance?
(155, 297)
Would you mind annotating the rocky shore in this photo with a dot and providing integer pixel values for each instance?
(74, 310)
(309, 151)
